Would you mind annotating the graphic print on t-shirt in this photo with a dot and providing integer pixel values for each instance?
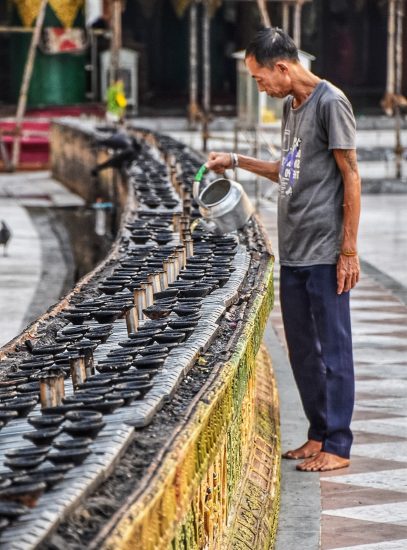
(290, 163)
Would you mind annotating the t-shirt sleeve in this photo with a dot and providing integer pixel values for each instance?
(339, 123)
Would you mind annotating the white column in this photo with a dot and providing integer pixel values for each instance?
(94, 9)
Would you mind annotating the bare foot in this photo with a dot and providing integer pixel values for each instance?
(323, 462)
(309, 449)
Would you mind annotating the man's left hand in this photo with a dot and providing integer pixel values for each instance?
(347, 273)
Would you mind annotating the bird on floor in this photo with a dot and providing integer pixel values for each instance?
(5, 236)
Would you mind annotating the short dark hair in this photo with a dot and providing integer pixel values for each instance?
(271, 44)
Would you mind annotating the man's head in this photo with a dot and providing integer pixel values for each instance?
(269, 58)
(270, 45)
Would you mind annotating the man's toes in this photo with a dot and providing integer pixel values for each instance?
(316, 468)
(305, 466)
(311, 465)
(310, 468)
(324, 462)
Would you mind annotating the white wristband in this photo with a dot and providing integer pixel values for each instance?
(235, 160)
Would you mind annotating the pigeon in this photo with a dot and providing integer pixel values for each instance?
(117, 141)
(5, 235)
(119, 160)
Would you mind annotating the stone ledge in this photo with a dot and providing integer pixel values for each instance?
(185, 501)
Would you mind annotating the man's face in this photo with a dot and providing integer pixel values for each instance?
(274, 81)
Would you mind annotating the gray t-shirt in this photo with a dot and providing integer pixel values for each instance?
(310, 211)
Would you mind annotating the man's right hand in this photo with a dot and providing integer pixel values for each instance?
(219, 162)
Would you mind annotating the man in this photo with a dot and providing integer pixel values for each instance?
(318, 216)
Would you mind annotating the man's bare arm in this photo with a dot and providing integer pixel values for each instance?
(219, 162)
(348, 266)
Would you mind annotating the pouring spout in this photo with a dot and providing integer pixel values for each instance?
(196, 188)
(200, 174)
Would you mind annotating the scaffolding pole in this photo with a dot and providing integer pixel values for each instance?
(297, 22)
(206, 92)
(391, 27)
(25, 84)
(286, 17)
(398, 85)
(116, 41)
(264, 15)
(193, 109)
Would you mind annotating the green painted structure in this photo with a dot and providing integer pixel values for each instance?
(58, 79)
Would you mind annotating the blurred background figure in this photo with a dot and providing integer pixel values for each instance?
(5, 235)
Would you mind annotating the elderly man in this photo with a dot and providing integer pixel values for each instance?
(318, 216)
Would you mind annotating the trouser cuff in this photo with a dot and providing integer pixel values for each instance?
(312, 434)
(335, 449)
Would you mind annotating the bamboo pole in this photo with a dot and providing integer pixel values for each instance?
(116, 41)
(391, 26)
(297, 23)
(206, 99)
(25, 84)
(399, 46)
(398, 85)
(387, 102)
(4, 154)
(286, 17)
(193, 63)
(6, 29)
(264, 15)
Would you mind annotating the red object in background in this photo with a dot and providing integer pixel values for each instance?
(57, 40)
(35, 132)
(34, 142)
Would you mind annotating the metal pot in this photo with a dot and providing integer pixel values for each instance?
(224, 202)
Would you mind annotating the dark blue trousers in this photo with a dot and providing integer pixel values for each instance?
(318, 333)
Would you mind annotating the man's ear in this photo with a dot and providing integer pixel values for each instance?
(281, 66)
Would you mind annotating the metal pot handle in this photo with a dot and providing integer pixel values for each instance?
(198, 179)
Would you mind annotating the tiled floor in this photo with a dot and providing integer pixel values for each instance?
(364, 507)
(20, 270)
(23, 258)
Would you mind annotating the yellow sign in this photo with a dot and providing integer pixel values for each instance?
(65, 10)
(28, 11)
